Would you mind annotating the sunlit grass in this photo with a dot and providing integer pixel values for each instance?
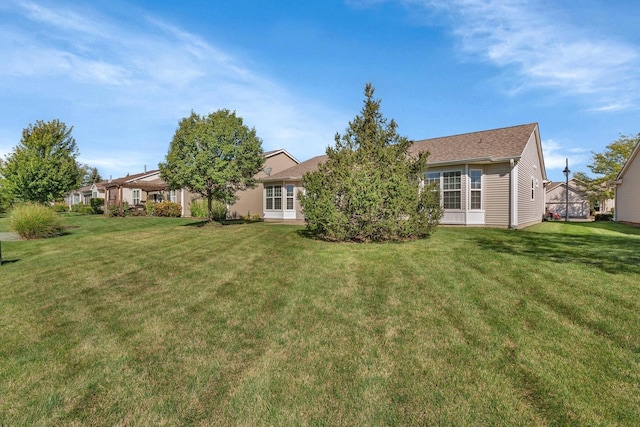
(161, 321)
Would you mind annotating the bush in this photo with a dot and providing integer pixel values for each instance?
(35, 221)
(60, 207)
(148, 207)
(82, 209)
(198, 208)
(97, 205)
(167, 209)
(115, 210)
(604, 217)
(218, 210)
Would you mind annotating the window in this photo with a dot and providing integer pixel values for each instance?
(475, 177)
(136, 197)
(533, 188)
(451, 190)
(290, 188)
(433, 178)
(172, 196)
(273, 197)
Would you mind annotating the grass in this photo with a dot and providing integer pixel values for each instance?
(153, 321)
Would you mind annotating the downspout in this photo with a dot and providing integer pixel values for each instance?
(513, 198)
(467, 194)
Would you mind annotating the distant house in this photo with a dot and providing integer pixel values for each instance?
(249, 201)
(135, 190)
(488, 178)
(577, 198)
(627, 186)
(83, 195)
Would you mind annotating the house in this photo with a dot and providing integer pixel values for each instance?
(135, 190)
(557, 199)
(249, 202)
(627, 186)
(280, 191)
(489, 178)
(83, 195)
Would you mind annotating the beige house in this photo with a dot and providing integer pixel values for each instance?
(83, 195)
(135, 190)
(627, 184)
(576, 198)
(249, 202)
(489, 178)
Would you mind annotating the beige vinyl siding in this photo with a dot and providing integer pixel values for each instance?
(529, 167)
(251, 201)
(628, 194)
(496, 194)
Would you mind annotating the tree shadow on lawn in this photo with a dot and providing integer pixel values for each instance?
(611, 254)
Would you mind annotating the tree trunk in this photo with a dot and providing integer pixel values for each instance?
(210, 206)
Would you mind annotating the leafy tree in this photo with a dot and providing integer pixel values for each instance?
(606, 166)
(214, 156)
(43, 167)
(370, 187)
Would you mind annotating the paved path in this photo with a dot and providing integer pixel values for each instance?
(8, 236)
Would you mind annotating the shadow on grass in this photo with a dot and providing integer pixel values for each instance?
(609, 253)
(206, 222)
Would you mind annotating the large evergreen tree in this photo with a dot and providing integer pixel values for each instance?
(43, 167)
(214, 156)
(370, 188)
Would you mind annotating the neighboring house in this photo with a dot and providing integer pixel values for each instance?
(136, 189)
(489, 178)
(249, 201)
(83, 195)
(577, 198)
(627, 200)
(280, 191)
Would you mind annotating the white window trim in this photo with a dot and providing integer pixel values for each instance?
(442, 190)
(480, 190)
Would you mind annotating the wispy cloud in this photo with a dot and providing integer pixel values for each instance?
(556, 154)
(132, 80)
(543, 50)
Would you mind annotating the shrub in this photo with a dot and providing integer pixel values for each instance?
(97, 205)
(116, 210)
(604, 217)
(148, 207)
(218, 210)
(82, 209)
(60, 207)
(198, 208)
(167, 209)
(35, 221)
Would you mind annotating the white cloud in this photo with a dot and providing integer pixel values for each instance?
(126, 84)
(556, 155)
(544, 50)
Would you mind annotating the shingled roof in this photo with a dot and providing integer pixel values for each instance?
(296, 172)
(488, 145)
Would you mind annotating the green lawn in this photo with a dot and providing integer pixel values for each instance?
(152, 321)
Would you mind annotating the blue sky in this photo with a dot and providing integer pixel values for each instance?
(124, 73)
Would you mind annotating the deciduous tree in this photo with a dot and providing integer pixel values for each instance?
(43, 167)
(214, 156)
(606, 166)
(370, 188)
